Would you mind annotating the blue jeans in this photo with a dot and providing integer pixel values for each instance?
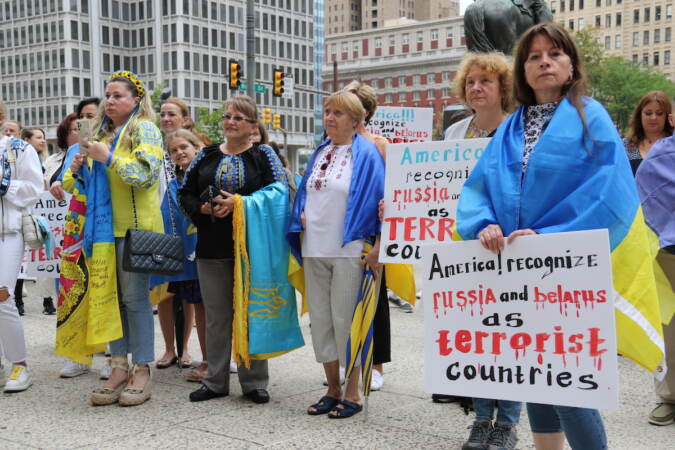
(583, 427)
(508, 412)
(138, 324)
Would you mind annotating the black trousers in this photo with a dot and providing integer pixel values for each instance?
(382, 326)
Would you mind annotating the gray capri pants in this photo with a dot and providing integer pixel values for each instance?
(332, 286)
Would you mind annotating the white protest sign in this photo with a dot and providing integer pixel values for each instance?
(421, 191)
(402, 124)
(533, 324)
(35, 262)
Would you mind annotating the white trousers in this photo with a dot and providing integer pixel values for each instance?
(331, 286)
(12, 341)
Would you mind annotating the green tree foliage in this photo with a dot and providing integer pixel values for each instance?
(210, 123)
(155, 94)
(616, 82)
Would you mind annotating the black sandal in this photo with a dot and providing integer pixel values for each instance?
(323, 406)
(348, 410)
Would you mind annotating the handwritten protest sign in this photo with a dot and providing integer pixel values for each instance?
(402, 124)
(35, 261)
(535, 323)
(421, 191)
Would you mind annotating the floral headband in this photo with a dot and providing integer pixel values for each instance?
(135, 79)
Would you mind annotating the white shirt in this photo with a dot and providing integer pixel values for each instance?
(25, 185)
(326, 205)
(458, 129)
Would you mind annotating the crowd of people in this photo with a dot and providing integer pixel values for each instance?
(544, 132)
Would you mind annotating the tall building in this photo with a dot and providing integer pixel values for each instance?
(352, 15)
(319, 42)
(638, 30)
(53, 53)
(411, 64)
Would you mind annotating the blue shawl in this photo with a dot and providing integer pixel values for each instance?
(656, 184)
(365, 192)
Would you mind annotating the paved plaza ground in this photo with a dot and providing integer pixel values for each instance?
(55, 413)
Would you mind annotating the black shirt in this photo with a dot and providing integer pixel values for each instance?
(260, 168)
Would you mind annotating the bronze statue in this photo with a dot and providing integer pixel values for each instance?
(496, 25)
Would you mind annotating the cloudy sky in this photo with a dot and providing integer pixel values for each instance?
(463, 4)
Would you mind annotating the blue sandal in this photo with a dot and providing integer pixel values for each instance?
(348, 410)
(325, 405)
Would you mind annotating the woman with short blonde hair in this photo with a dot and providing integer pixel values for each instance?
(334, 214)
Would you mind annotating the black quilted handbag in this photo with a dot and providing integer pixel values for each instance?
(149, 252)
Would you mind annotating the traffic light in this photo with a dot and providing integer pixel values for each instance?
(235, 74)
(276, 122)
(267, 116)
(278, 89)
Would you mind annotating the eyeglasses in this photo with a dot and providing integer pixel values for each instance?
(237, 119)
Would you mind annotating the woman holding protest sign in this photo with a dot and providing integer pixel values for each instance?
(484, 83)
(20, 185)
(116, 178)
(36, 138)
(335, 211)
(558, 164)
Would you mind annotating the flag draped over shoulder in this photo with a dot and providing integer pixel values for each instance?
(265, 310)
(574, 181)
(88, 314)
(175, 222)
(656, 186)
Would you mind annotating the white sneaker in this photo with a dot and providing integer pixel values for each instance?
(106, 370)
(19, 380)
(71, 370)
(377, 381)
(233, 367)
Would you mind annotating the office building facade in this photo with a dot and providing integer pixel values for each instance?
(638, 30)
(343, 16)
(53, 53)
(412, 64)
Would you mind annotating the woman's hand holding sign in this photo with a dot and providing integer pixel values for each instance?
(492, 237)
